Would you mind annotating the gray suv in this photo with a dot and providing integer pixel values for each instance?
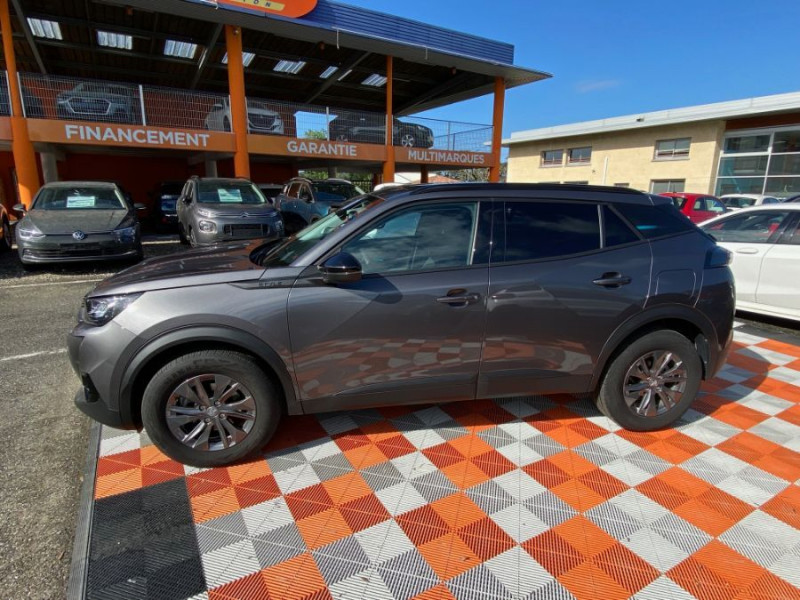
(422, 294)
(212, 210)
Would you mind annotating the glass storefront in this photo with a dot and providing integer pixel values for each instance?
(766, 161)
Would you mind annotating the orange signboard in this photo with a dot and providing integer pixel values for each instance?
(431, 156)
(134, 136)
(286, 146)
(5, 129)
(284, 8)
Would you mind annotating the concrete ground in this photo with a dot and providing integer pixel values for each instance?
(44, 437)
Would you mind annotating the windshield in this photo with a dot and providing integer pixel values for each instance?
(284, 254)
(739, 202)
(229, 192)
(79, 198)
(332, 191)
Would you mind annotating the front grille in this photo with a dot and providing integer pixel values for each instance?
(246, 231)
(89, 106)
(74, 251)
(261, 121)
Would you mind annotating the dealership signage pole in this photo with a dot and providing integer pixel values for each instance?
(388, 166)
(24, 156)
(238, 100)
(497, 127)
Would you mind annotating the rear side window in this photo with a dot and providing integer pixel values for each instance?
(749, 228)
(655, 221)
(616, 230)
(538, 230)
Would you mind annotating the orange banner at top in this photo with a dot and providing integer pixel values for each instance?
(284, 8)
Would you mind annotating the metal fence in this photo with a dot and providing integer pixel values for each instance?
(5, 98)
(69, 98)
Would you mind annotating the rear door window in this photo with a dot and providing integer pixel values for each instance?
(751, 228)
(536, 230)
(616, 231)
(655, 221)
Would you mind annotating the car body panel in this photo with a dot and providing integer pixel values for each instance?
(260, 118)
(695, 206)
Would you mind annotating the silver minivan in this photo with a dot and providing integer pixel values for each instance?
(213, 210)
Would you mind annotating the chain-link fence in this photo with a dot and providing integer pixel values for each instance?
(5, 102)
(68, 98)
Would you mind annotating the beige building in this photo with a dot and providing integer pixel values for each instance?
(745, 146)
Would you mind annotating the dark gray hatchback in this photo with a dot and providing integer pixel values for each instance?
(419, 294)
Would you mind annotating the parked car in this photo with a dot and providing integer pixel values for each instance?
(99, 102)
(213, 210)
(765, 242)
(5, 229)
(260, 118)
(165, 205)
(793, 199)
(304, 201)
(737, 201)
(370, 128)
(73, 221)
(697, 207)
(524, 289)
(270, 190)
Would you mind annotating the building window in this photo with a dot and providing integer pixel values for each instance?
(672, 149)
(664, 186)
(760, 162)
(579, 156)
(552, 158)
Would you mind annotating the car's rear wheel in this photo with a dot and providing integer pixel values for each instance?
(652, 382)
(5, 243)
(210, 408)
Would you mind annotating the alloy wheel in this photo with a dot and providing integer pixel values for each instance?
(654, 383)
(210, 412)
(407, 140)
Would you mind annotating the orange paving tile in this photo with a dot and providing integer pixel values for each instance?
(448, 556)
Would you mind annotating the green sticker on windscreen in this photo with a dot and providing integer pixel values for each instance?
(81, 201)
(231, 195)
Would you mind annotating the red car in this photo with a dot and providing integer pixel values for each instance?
(698, 207)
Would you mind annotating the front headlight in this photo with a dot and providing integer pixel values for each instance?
(29, 231)
(126, 234)
(99, 311)
(207, 226)
(202, 212)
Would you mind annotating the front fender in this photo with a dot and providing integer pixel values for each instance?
(204, 334)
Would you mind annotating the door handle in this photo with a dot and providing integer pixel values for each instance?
(612, 280)
(747, 251)
(459, 298)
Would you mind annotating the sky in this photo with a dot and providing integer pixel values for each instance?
(620, 57)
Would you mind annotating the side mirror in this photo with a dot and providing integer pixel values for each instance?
(139, 206)
(341, 268)
(20, 208)
(186, 200)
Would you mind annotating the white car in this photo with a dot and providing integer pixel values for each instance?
(765, 242)
(260, 118)
(737, 201)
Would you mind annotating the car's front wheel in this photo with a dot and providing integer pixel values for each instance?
(651, 383)
(210, 408)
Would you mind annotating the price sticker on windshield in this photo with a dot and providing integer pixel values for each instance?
(81, 201)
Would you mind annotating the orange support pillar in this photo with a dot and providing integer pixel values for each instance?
(24, 156)
(423, 174)
(388, 166)
(241, 157)
(497, 125)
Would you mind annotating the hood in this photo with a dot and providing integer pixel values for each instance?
(53, 222)
(223, 263)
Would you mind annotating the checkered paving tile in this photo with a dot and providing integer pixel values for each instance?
(522, 498)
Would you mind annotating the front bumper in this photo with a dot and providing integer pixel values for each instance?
(63, 248)
(97, 410)
(231, 229)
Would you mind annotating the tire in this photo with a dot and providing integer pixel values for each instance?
(668, 397)
(408, 139)
(5, 244)
(182, 235)
(226, 124)
(192, 240)
(163, 391)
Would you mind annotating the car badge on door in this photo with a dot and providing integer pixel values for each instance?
(79, 235)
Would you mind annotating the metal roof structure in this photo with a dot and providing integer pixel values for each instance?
(341, 47)
(750, 107)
